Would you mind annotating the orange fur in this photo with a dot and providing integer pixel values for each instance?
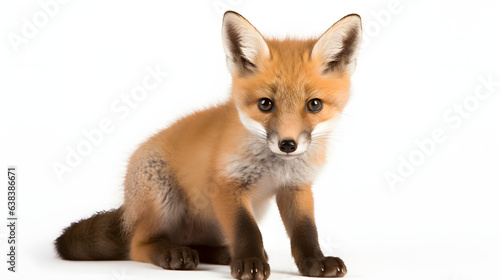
(290, 78)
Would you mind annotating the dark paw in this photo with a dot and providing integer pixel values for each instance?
(322, 267)
(179, 258)
(250, 269)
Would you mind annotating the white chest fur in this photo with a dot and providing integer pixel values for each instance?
(260, 169)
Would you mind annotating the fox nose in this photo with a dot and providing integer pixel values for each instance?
(288, 146)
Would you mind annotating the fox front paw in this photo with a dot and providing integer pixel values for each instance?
(179, 258)
(322, 267)
(250, 269)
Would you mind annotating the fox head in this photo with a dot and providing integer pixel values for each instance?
(289, 92)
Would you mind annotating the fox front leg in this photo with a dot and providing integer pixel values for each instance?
(248, 257)
(296, 207)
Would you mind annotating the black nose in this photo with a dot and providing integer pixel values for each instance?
(288, 146)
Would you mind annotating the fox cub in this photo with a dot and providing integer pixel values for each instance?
(194, 191)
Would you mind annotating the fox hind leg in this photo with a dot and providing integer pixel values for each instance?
(161, 252)
(163, 227)
(154, 201)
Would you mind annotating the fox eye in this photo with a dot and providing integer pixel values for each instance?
(265, 104)
(314, 105)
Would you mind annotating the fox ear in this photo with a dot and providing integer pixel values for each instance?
(243, 44)
(338, 47)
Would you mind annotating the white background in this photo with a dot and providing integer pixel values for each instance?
(441, 222)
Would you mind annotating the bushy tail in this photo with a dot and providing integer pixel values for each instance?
(99, 237)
